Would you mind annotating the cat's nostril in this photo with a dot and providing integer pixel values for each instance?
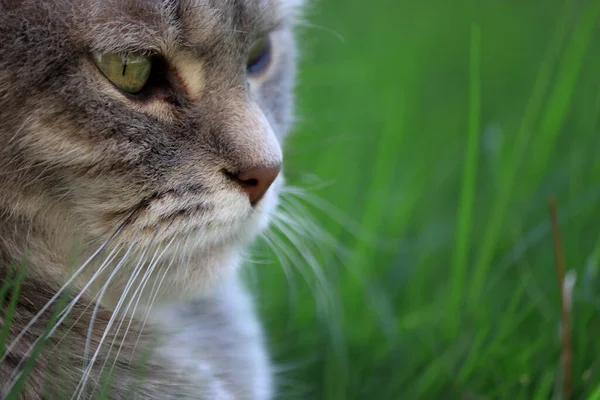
(256, 181)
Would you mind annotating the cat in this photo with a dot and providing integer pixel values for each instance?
(140, 155)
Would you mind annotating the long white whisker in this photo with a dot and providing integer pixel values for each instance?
(282, 258)
(277, 242)
(81, 386)
(308, 227)
(153, 296)
(283, 261)
(325, 29)
(107, 262)
(62, 316)
(292, 228)
(310, 260)
(311, 230)
(10, 347)
(99, 301)
(137, 294)
(64, 336)
(339, 217)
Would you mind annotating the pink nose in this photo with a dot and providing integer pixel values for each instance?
(256, 181)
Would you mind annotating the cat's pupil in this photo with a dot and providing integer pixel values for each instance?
(129, 73)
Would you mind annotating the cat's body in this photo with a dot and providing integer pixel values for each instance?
(135, 206)
(211, 348)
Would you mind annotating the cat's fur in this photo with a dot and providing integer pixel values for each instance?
(84, 167)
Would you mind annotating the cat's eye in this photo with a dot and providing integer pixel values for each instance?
(129, 72)
(259, 56)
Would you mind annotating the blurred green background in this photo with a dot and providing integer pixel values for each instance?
(415, 259)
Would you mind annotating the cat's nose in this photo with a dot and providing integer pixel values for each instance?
(256, 181)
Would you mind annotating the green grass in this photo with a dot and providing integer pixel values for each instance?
(440, 131)
(418, 262)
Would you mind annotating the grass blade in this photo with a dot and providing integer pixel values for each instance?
(467, 196)
(12, 306)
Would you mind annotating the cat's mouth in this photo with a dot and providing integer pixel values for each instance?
(221, 219)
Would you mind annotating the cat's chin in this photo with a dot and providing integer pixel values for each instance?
(197, 275)
(177, 278)
(202, 261)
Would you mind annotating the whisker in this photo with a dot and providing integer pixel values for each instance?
(329, 249)
(153, 296)
(137, 294)
(81, 386)
(88, 337)
(79, 390)
(310, 261)
(339, 217)
(381, 307)
(325, 29)
(310, 229)
(58, 294)
(296, 263)
(63, 315)
(109, 260)
(99, 301)
(293, 295)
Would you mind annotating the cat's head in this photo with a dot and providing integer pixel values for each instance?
(162, 117)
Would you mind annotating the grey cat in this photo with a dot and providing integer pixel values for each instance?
(140, 154)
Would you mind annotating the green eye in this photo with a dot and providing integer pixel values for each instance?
(129, 72)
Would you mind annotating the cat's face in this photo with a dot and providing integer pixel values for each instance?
(85, 150)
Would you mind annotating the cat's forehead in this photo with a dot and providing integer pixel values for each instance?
(160, 23)
(200, 18)
(238, 12)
